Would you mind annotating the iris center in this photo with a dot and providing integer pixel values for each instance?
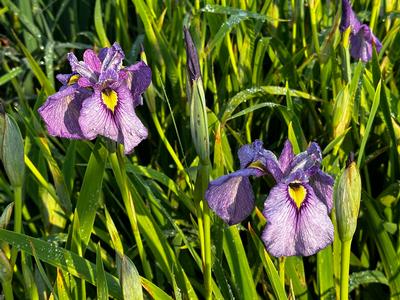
(297, 193)
(109, 98)
(73, 79)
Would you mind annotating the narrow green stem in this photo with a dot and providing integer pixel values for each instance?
(17, 219)
(345, 267)
(207, 245)
(313, 8)
(204, 224)
(7, 290)
(118, 167)
(282, 270)
(169, 147)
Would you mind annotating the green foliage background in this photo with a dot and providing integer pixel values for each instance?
(98, 224)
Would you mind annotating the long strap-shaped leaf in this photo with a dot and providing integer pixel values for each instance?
(72, 263)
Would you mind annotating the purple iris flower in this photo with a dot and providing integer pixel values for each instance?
(99, 98)
(296, 208)
(361, 37)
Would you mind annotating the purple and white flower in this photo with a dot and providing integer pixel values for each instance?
(297, 207)
(361, 37)
(99, 98)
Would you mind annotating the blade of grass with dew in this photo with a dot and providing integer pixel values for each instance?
(10, 75)
(44, 81)
(101, 281)
(269, 266)
(384, 244)
(368, 128)
(238, 264)
(89, 196)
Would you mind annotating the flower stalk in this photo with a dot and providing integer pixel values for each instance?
(199, 132)
(347, 203)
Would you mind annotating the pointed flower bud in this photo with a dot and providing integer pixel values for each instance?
(11, 149)
(347, 199)
(197, 100)
(191, 56)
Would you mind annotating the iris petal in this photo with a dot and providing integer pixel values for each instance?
(279, 234)
(138, 80)
(231, 196)
(295, 231)
(286, 156)
(81, 68)
(95, 119)
(314, 227)
(113, 58)
(61, 112)
(308, 161)
(131, 128)
(322, 185)
(91, 60)
(362, 43)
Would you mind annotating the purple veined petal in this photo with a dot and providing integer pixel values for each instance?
(314, 227)
(61, 111)
(349, 18)
(113, 58)
(248, 153)
(81, 68)
(132, 130)
(108, 77)
(295, 231)
(138, 79)
(279, 235)
(63, 78)
(255, 152)
(308, 161)
(96, 119)
(377, 43)
(91, 60)
(362, 43)
(322, 185)
(84, 82)
(231, 196)
(286, 156)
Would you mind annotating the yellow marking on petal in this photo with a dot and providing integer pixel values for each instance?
(73, 79)
(297, 192)
(110, 98)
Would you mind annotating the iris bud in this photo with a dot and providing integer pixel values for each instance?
(196, 97)
(347, 199)
(11, 149)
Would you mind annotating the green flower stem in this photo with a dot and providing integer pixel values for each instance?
(204, 224)
(169, 147)
(345, 267)
(313, 8)
(17, 219)
(7, 289)
(118, 167)
(282, 270)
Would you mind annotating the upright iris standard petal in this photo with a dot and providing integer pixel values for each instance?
(286, 156)
(362, 39)
(231, 196)
(138, 79)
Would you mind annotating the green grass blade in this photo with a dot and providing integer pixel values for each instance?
(101, 281)
(269, 267)
(89, 196)
(238, 264)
